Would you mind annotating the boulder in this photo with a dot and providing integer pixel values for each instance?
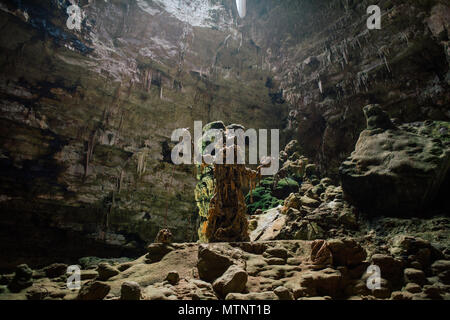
(442, 269)
(401, 295)
(283, 293)
(347, 252)
(36, 293)
(309, 202)
(320, 253)
(88, 274)
(440, 266)
(384, 292)
(173, 277)
(233, 280)
(413, 247)
(414, 276)
(391, 268)
(106, 271)
(22, 278)
(164, 236)
(5, 279)
(157, 251)
(413, 288)
(211, 264)
(130, 290)
(55, 270)
(293, 201)
(310, 170)
(270, 224)
(393, 171)
(93, 290)
(432, 292)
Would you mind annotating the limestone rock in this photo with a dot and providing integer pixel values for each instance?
(390, 267)
(414, 276)
(347, 252)
(88, 274)
(211, 264)
(36, 293)
(393, 171)
(270, 224)
(277, 252)
(157, 251)
(401, 295)
(283, 293)
(421, 250)
(56, 270)
(432, 292)
(320, 253)
(309, 202)
(440, 266)
(22, 278)
(310, 170)
(413, 288)
(275, 261)
(173, 277)
(252, 296)
(93, 290)
(442, 269)
(384, 292)
(201, 290)
(130, 290)
(164, 236)
(327, 282)
(293, 201)
(233, 280)
(106, 271)
(159, 292)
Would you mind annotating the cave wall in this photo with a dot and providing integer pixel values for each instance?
(331, 65)
(86, 120)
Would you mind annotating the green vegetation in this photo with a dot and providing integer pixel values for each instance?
(266, 196)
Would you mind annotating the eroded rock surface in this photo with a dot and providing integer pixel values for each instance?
(333, 269)
(393, 170)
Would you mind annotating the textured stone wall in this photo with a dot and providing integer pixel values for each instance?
(331, 66)
(86, 120)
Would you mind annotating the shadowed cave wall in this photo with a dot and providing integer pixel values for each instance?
(86, 117)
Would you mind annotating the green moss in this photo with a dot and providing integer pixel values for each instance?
(265, 196)
(262, 199)
(284, 188)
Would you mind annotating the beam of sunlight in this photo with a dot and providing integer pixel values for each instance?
(241, 7)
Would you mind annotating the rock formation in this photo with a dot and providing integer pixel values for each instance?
(357, 211)
(396, 170)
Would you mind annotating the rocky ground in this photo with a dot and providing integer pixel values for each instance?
(411, 268)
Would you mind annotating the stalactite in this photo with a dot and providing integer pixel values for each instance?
(90, 151)
(142, 162)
